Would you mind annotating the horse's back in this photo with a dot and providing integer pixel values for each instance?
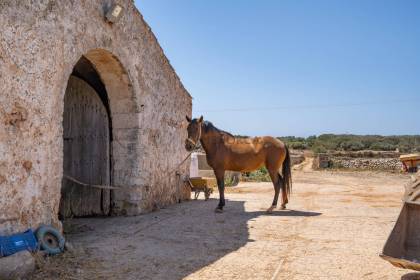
(248, 154)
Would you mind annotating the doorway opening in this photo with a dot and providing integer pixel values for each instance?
(87, 138)
(101, 131)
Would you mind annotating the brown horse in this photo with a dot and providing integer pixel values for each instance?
(225, 152)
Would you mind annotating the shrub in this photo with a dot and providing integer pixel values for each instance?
(260, 175)
(352, 145)
(297, 145)
(381, 146)
(319, 149)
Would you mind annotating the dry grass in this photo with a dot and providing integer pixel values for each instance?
(67, 266)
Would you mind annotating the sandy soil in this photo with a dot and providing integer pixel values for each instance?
(337, 225)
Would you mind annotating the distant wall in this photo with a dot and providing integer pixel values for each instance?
(296, 157)
(391, 164)
(364, 160)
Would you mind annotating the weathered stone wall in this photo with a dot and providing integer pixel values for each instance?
(363, 160)
(391, 164)
(40, 43)
(296, 157)
(321, 161)
(330, 161)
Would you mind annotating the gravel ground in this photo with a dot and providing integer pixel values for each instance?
(337, 225)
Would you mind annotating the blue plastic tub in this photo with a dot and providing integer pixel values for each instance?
(10, 245)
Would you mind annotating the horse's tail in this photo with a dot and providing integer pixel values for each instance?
(287, 175)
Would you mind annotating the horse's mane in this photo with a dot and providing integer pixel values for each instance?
(208, 126)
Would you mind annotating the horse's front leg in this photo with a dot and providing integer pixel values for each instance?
(220, 176)
(277, 182)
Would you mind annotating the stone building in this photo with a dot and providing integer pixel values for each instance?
(86, 98)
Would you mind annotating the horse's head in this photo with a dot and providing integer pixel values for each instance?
(194, 133)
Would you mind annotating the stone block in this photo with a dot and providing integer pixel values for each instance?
(17, 266)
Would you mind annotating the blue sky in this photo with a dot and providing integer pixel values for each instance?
(295, 67)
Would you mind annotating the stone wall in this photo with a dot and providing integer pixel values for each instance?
(296, 157)
(321, 161)
(391, 164)
(362, 160)
(40, 43)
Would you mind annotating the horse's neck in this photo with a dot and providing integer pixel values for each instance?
(210, 141)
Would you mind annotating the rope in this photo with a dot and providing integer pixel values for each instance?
(90, 185)
(106, 187)
(175, 169)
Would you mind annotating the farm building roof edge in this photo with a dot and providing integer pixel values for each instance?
(167, 61)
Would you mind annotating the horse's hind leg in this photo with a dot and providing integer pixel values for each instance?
(277, 182)
(284, 199)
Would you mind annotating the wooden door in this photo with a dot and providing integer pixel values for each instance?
(86, 152)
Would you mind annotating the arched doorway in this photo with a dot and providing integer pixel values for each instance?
(102, 90)
(87, 141)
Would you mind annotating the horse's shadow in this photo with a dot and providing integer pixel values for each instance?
(177, 241)
(286, 213)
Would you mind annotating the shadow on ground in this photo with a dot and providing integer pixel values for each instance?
(411, 276)
(169, 244)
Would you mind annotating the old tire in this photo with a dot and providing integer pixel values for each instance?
(50, 240)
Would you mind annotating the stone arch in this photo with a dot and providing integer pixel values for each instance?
(123, 110)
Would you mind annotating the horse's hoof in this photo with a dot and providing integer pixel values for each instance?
(218, 210)
(270, 210)
(283, 207)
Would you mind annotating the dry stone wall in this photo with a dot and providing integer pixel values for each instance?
(391, 164)
(362, 160)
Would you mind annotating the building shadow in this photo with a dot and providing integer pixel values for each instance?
(168, 244)
(411, 276)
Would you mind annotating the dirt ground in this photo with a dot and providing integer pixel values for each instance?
(337, 225)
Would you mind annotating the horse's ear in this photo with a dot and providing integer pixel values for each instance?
(201, 119)
(188, 119)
